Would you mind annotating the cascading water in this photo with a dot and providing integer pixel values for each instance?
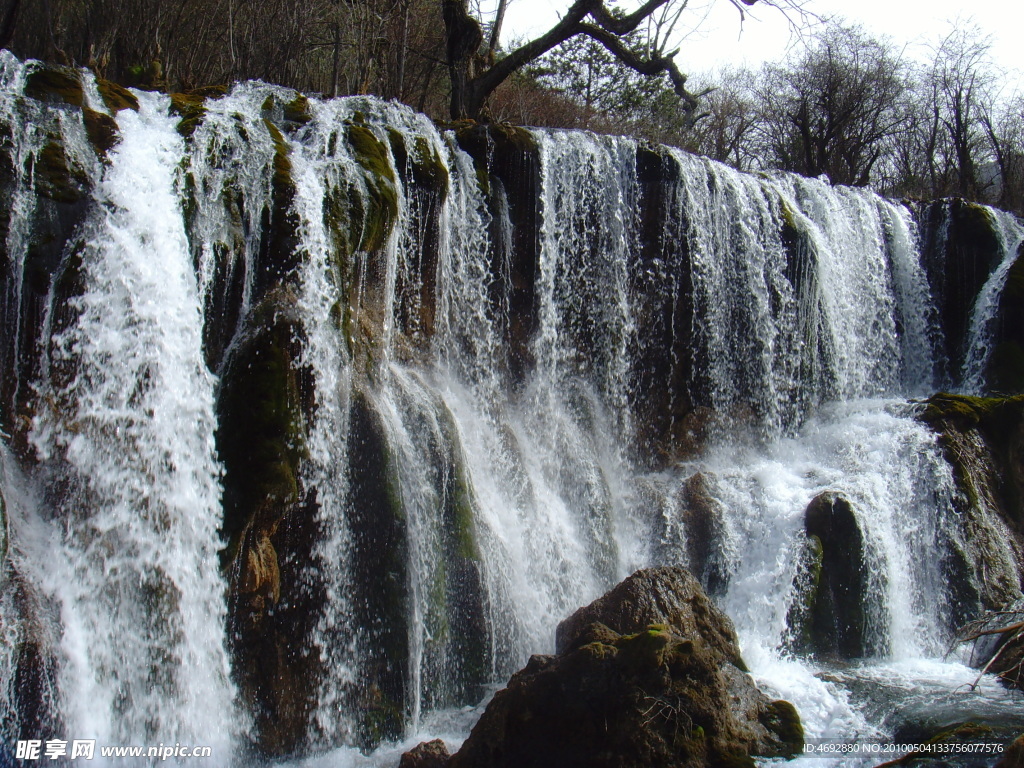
(428, 400)
(979, 343)
(125, 428)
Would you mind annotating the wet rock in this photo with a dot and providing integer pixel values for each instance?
(704, 523)
(55, 85)
(429, 754)
(269, 523)
(508, 167)
(960, 249)
(669, 694)
(1010, 664)
(427, 187)
(835, 604)
(669, 596)
(983, 440)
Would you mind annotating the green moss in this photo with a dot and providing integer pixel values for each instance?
(101, 130)
(56, 85)
(282, 178)
(379, 207)
(514, 136)
(383, 721)
(338, 218)
(969, 411)
(262, 434)
(423, 162)
(460, 497)
(781, 718)
(645, 651)
(464, 515)
(116, 97)
(787, 214)
(191, 108)
(297, 110)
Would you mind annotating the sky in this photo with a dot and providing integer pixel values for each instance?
(718, 38)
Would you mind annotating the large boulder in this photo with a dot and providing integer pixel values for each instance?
(828, 619)
(648, 675)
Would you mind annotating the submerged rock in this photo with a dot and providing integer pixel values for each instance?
(648, 675)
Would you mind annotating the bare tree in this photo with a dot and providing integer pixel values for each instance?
(834, 108)
(474, 78)
(962, 79)
(728, 120)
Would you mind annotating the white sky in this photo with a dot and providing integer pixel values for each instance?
(718, 39)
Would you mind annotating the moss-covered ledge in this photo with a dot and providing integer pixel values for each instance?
(982, 438)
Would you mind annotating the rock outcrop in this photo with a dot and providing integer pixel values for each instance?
(983, 439)
(648, 675)
(827, 618)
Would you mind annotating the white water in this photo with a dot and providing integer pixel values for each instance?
(809, 360)
(131, 561)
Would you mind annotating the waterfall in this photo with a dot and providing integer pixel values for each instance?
(1010, 234)
(318, 417)
(126, 428)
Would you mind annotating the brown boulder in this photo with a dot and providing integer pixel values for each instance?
(667, 595)
(428, 754)
(667, 694)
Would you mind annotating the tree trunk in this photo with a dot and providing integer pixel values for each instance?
(464, 38)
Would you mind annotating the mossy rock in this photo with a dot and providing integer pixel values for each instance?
(644, 652)
(781, 718)
(998, 417)
(1005, 371)
(505, 137)
(649, 698)
(989, 471)
(379, 558)
(211, 91)
(282, 179)
(297, 112)
(425, 165)
(838, 619)
(261, 439)
(278, 258)
(191, 108)
(379, 209)
(460, 515)
(101, 130)
(116, 97)
(56, 178)
(56, 85)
